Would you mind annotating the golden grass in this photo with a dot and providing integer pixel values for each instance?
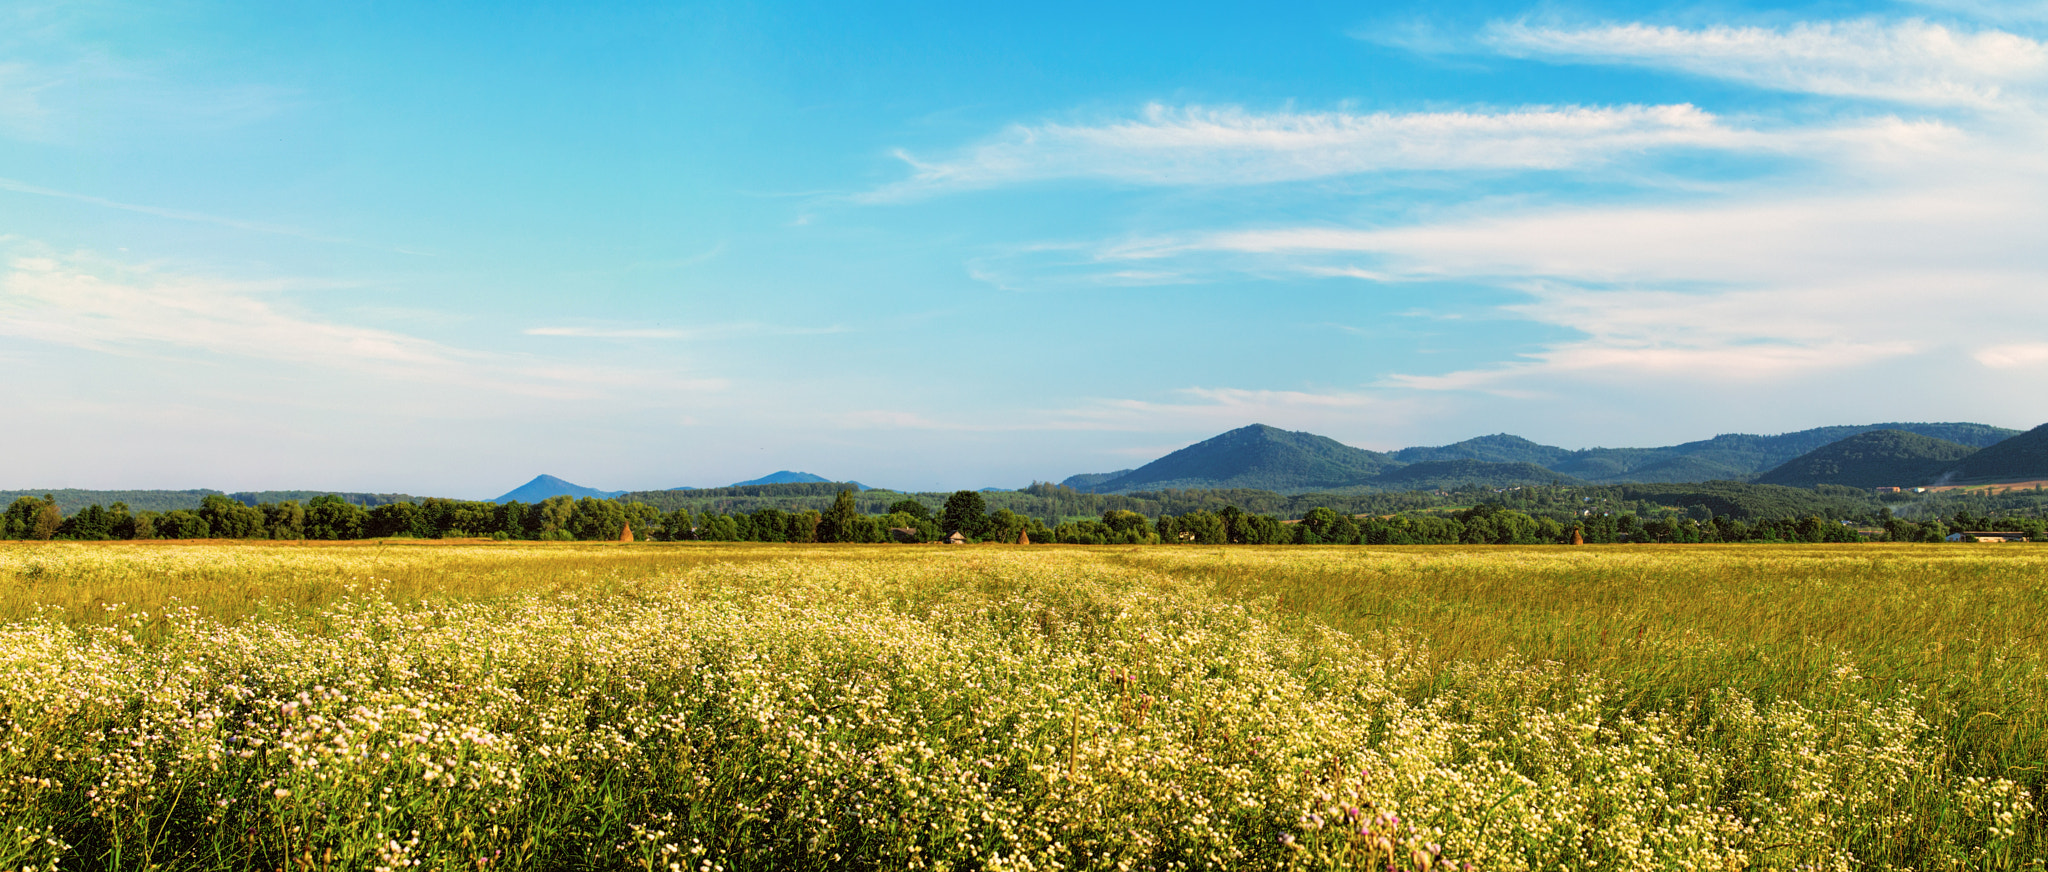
(1840, 707)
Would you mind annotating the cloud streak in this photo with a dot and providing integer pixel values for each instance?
(84, 302)
(20, 187)
(1909, 62)
(743, 330)
(1197, 145)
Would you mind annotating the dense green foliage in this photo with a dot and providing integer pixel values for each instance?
(1436, 474)
(1261, 457)
(2022, 457)
(1879, 458)
(72, 499)
(1257, 456)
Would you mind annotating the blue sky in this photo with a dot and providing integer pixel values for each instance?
(440, 248)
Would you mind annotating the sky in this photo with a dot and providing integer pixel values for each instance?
(441, 248)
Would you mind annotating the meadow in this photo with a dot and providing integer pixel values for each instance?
(750, 707)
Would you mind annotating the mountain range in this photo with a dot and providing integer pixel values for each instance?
(545, 486)
(1269, 458)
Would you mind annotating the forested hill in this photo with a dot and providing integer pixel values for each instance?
(1272, 459)
(2020, 458)
(1879, 458)
(72, 499)
(1257, 456)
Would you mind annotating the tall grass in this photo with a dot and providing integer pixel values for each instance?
(1958, 628)
(662, 707)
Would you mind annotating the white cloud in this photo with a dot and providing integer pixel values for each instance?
(20, 187)
(90, 303)
(1197, 145)
(711, 331)
(2022, 354)
(1911, 61)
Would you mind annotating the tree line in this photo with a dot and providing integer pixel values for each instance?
(330, 517)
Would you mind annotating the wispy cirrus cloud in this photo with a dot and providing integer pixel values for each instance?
(1753, 291)
(741, 330)
(21, 187)
(1905, 61)
(1197, 145)
(88, 302)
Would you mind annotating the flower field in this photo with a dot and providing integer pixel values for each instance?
(738, 707)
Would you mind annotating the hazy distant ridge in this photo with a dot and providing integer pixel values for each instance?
(1288, 462)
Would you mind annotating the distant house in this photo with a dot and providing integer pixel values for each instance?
(1890, 490)
(1988, 536)
(905, 534)
(954, 538)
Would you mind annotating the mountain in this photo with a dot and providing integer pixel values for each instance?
(544, 486)
(1088, 480)
(788, 477)
(1742, 455)
(1498, 448)
(1447, 474)
(1258, 456)
(1268, 458)
(1878, 458)
(2020, 458)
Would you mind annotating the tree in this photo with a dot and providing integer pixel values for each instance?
(92, 523)
(1318, 526)
(803, 526)
(182, 524)
(596, 520)
(966, 512)
(331, 517)
(912, 508)
(676, 526)
(228, 519)
(285, 520)
(393, 519)
(1201, 527)
(1128, 525)
(646, 520)
(839, 522)
(20, 518)
(770, 525)
(48, 519)
(550, 518)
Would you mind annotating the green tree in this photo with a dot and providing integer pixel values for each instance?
(182, 524)
(551, 517)
(770, 525)
(646, 520)
(285, 520)
(1201, 527)
(91, 524)
(966, 512)
(1128, 525)
(719, 528)
(1318, 526)
(48, 519)
(19, 518)
(394, 519)
(912, 508)
(596, 520)
(330, 517)
(839, 523)
(677, 527)
(802, 526)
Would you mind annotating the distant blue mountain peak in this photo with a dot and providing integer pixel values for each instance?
(544, 486)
